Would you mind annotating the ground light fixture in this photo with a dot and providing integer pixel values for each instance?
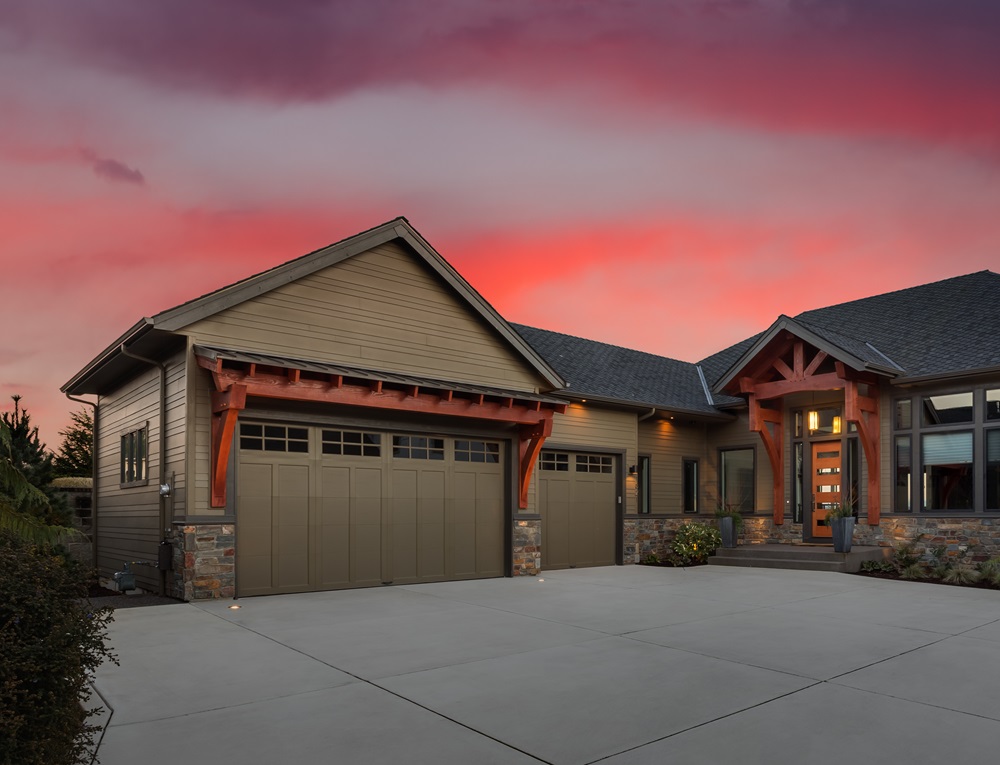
(235, 607)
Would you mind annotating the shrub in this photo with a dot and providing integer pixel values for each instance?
(694, 542)
(905, 556)
(878, 566)
(961, 575)
(52, 638)
(913, 571)
(989, 571)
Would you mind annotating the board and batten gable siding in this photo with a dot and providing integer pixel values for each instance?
(668, 444)
(383, 309)
(737, 435)
(587, 425)
(129, 527)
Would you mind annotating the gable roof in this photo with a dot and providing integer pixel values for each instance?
(622, 375)
(112, 362)
(944, 328)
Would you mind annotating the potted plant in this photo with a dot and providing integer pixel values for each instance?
(840, 519)
(730, 520)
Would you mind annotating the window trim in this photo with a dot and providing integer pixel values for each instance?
(123, 461)
(685, 461)
(643, 484)
(721, 486)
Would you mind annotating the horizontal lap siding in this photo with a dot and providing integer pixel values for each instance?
(668, 445)
(583, 425)
(738, 435)
(383, 309)
(128, 523)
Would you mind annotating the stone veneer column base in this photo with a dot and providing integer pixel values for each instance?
(527, 552)
(204, 561)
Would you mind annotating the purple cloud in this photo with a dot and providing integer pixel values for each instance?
(112, 169)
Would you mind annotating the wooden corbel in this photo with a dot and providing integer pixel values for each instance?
(226, 406)
(532, 438)
(773, 445)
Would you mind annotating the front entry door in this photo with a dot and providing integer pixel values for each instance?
(825, 484)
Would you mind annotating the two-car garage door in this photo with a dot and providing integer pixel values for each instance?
(321, 508)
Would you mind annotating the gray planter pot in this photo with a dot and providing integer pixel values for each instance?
(727, 527)
(843, 534)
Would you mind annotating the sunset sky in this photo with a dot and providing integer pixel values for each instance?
(664, 175)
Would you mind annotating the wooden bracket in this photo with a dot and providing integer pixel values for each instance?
(774, 442)
(226, 406)
(863, 410)
(532, 438)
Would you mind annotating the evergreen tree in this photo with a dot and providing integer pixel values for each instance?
(76, 457)
(29, 457)
(22, 506)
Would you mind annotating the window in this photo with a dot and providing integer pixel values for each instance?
(798, 479)
(689, 485)
(417, 448)
(352, 443)
(477, 451)
(274, 438)
(946, 456)
(594, 463)
(947, 471)
(736, 479)
(555, 461)
(132, 458)
(993, 469)
(642, 481)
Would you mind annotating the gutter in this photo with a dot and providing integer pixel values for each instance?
(93, 474)
(946, 375)
(163, 449)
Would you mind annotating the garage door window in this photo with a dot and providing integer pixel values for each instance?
(352, 443)
(477, 451)
(594, 463)
(554, 461)
(274, 438)
(417, 448)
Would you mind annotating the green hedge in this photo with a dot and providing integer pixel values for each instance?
(50, 639)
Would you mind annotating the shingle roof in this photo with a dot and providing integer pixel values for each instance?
(946, 327)
(610, 372)
(939, 328)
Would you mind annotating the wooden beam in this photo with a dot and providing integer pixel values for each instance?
(778, 388)
(294, 375)
(798, 356)
(774, 448)
(316, 391)
(226, 406)
(375, 386)
(818, 359)
(532, 437)
(783, 369)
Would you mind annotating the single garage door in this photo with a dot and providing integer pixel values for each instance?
(577, 501)
(321, 508)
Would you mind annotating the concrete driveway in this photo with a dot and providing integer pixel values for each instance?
(619, 665)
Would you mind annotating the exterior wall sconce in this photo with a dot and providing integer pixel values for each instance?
(814, 420)
(631, 469)
(836, 424)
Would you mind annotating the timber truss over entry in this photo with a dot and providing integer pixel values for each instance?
(238, 375)
(790, 359)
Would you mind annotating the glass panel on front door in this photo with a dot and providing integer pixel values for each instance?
(826, 489)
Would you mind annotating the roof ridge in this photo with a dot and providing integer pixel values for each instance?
(896, 292)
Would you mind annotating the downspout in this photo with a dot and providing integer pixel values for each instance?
(163, 449)
(93, 474)
(647, 415)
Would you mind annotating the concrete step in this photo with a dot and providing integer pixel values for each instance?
(797, 565)
(800, 557)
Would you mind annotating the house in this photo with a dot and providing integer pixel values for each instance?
(361, 416)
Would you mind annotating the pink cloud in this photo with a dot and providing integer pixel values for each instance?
(918, 68)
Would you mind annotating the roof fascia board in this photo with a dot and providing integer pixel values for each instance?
(787, 323)
(945, 376)
(138, 329)
(201, 308)
(639, 405)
